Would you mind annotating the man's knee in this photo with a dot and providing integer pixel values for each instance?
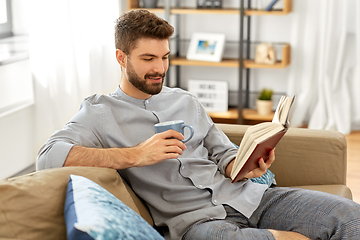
(345, 217)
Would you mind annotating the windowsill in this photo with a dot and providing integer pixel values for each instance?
(4, 111)
(14, 49)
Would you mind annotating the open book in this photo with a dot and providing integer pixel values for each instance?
(260, 139)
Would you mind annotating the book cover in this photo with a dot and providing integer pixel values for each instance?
(261, 150)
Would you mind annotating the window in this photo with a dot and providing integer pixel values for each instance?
(5, 19)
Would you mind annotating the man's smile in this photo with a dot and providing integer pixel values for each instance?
(156, 79)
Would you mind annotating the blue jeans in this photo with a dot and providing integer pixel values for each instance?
(314, 214)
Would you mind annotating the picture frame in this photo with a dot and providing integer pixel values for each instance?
(206, 47)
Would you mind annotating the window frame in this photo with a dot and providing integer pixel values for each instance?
(6, 28)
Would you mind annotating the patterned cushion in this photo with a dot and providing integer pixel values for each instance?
(91, 212)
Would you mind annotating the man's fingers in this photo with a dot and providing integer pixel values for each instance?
(173, 149)
(171, 134)
(172, 138)
(271, 158)
(175, 142)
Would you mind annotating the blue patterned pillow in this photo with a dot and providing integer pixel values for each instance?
(268, 178)
(91, 212)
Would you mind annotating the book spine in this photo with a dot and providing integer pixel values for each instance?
(269, 7)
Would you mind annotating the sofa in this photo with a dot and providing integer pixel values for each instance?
(32, 205)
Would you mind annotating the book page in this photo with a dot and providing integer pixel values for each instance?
(284, 116)
(283, 110)
(251, 130)
(278, 110)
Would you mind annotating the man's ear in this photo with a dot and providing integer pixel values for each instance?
(121, 57)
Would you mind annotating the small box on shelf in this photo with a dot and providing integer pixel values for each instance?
(209, 3)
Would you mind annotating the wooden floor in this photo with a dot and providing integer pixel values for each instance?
(353, 166)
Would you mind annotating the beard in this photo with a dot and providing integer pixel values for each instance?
(141, 83)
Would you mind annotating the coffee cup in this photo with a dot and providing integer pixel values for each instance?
(177, 125)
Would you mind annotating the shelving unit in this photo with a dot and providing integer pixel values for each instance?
(243, 64)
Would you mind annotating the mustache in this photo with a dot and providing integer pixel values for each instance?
(162, 75)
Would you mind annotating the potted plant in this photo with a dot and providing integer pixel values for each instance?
(264, 102)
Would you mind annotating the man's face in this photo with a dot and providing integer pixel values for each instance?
(146, 66)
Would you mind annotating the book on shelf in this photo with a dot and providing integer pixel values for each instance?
(260, 139)
(269, 7)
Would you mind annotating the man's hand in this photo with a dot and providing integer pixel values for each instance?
(258, 172)
(159, 147)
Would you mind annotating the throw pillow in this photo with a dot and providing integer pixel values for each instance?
(91, 212)
(268, 178)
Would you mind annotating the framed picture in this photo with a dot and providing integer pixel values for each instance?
(206, 47)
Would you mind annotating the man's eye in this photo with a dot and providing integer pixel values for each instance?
(147, 59)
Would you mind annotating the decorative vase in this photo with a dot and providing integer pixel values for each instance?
(150, 3)
(264, 107)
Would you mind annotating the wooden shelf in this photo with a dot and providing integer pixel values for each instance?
(182, 61)
(231, 116)
(204, 11)
(251, 114)
(153, 10)
(263, 12)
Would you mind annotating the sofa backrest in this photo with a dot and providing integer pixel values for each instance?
(304, 156)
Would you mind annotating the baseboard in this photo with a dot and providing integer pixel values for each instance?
(27, 170)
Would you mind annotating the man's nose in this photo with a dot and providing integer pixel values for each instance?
(159, 66)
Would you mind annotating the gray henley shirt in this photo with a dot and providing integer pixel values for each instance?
(179, 192)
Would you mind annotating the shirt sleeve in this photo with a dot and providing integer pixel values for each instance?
(221, 149)
(83, 129)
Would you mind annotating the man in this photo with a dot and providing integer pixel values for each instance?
(186, 187)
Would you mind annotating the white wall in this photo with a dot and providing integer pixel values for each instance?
(17, 150)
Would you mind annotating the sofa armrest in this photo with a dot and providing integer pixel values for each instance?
(32, 206)
(304, 156)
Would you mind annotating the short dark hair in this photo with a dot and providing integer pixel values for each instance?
(139, 23)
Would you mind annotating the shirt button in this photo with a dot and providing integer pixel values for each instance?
(182, 167)
(147, 101)
(215, 201)
(200, 186)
